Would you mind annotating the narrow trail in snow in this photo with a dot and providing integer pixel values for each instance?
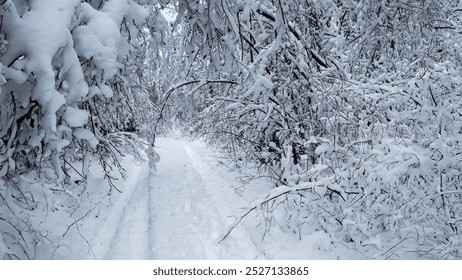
(178, 212)
(181, 228)
(123, 233)
(188, 215)
(132, 239)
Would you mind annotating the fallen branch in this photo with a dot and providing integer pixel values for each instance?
(236, 223)
(81, 218)
(275, 193)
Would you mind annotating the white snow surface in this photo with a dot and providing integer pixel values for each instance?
(183, 210)
(75, 117)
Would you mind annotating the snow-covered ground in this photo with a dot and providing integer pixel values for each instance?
(183, 210)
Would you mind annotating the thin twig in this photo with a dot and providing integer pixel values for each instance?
(236, 223)
(76, 221)
(392, 247)
(88, 243)
(262, 202)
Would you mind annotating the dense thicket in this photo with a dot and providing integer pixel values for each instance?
(354, 105)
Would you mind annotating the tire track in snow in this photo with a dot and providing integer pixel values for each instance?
(131, 240)
(124, 234)
(186, 221)
(221, 194)
(181, 226)
(180, 212)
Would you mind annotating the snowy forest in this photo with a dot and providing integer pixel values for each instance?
(349, 111)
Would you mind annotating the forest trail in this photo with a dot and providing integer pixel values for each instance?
(179, 212)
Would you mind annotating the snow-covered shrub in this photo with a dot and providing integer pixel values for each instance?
(352, 105)
(68, 98)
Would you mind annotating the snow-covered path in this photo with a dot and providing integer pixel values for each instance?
(124, 233)
(131, 240)
(183, 212)
(179, 212)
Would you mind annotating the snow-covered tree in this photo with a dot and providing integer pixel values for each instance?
(72, 81)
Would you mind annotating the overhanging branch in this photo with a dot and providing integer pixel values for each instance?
(203, 83)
